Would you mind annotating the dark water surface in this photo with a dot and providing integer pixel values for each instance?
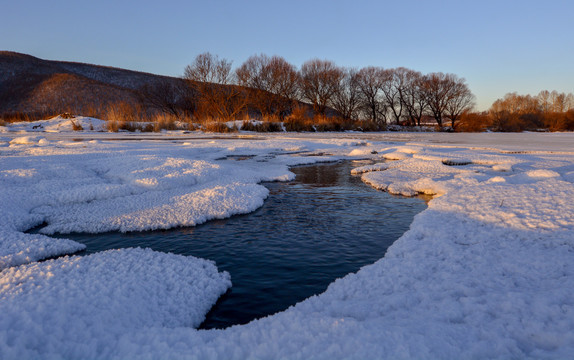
(309, 232)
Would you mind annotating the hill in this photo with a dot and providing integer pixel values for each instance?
(32, 85)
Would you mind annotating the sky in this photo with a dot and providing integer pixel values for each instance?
(497, 46)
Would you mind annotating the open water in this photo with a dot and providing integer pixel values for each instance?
(310, 231)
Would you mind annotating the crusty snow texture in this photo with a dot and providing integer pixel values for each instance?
(90, 302)
(487, 271)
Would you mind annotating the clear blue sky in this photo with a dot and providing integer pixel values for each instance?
(498, 46)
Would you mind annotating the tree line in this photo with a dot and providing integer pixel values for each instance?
(270, 88)
(549, 110)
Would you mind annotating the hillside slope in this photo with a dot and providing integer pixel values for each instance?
(32, 85)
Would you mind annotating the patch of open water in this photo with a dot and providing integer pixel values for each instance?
(322, 226)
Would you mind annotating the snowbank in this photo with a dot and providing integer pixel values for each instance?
(58, 124)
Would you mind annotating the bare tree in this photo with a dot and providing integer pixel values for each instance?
(436, 88)
(318, 83)
(168, 96)
(500, 116)
(284, 81)
(272, 82)
(346, 100)
(558, 101)
(393, 90)
(447, 96)
(208, 68)
(254, 75)
(544, 101)
(414, 98)
(370, 82)
(211, 78)
(569, 102)
(460, 100)
(514, 112)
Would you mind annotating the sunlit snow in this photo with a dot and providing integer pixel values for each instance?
(487, 271)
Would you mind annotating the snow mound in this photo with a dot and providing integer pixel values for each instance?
(59, 124)
(27, 140)
(154, 210)
(502, 167)
(569, 176)
(542, 173)
(361, 152)
(76, 307)
(496, 179)
(396, 155)
(369, 168)
(413, 176)
(409, 149)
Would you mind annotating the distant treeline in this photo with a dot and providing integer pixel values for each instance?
(270, 88)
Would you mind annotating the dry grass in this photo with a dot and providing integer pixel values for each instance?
(76, 126)
(164, 122)
(266, 126)
(298, 125)
(112, 126)
(219, 127)
(126, 112)
(17, 116)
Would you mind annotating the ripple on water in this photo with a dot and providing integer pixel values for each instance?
(310, 231)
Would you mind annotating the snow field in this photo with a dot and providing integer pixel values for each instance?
(485, 272)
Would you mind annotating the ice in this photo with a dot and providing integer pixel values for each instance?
(487, 271)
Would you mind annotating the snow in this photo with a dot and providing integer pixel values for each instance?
(56, 124)
(18, 248)
(83, 304)
(487, 271)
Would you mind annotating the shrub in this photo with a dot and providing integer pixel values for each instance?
(112, 126)
(164, 122)
(126, 112)
(262, 126)
(298, 125)
(148, 128)
(219, 127)
(129, 126)
(76, 126)
(473, 122)
(367, 126)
